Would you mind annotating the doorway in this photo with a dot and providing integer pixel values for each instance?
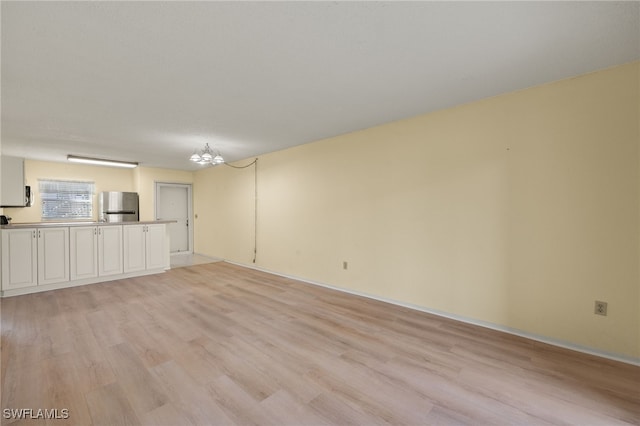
(173, 202)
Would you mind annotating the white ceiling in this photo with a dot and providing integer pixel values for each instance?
(153, 81)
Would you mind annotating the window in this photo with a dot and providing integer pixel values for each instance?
(63, 199)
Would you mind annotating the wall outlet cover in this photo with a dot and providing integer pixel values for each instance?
(600, 308)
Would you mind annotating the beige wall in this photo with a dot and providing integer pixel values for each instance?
(519, 210)
(105, 178)
(144, 183)
(141, 180)
(224, 212)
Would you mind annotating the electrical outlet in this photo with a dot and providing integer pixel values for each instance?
(600, 308)
(345, 265)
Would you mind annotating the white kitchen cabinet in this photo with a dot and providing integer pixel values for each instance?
(110, 250)
(134, 248)
(48, 257)
(83, 243)
(53, 255)
(19, 258)
(95, 251)
(12, 181)
(144, 247)
(33, 257)
(156, 246)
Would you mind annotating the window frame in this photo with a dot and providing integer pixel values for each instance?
(74, 198)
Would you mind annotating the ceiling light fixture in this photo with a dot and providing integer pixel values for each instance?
(207, 156)
(101, 162)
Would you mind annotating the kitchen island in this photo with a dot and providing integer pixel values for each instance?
(46, 256)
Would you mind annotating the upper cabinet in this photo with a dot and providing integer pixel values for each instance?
(12, 179)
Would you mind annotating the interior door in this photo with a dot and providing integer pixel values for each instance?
(173, 203)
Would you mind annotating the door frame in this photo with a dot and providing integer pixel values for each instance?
(189, 187)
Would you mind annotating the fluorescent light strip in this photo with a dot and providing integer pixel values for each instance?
(101, 162)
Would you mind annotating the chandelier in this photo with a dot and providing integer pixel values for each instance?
(207, 156)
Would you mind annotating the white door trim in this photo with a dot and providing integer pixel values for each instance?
(189, 188)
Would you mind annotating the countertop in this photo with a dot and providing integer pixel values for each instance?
(80, 223)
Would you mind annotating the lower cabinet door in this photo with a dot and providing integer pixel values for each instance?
(155, 255)
(83, 243)
(110, 261)
(19, 258)
(53, 255)
(134, 248)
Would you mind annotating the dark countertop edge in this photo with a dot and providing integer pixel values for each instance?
(75, 224)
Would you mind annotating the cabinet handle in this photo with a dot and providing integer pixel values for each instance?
(34, 233)
(95, 232)
(99, 231)
(39, 234)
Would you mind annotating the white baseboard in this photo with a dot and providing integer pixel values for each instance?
(543, 339)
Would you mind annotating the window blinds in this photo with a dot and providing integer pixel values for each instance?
(66, 199)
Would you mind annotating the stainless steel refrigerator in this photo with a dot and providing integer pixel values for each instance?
(118, 207)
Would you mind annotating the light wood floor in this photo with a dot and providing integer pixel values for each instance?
(220, 344)
(179, 260)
